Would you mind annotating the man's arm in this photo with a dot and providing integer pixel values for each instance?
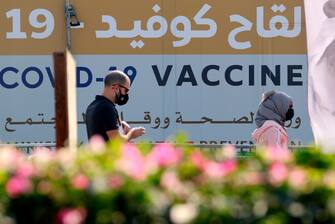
(132, 133)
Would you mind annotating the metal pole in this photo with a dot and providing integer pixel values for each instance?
(68, 25)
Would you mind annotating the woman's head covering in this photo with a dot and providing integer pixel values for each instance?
(274, 106)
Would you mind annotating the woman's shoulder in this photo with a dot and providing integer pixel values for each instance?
(272, 124)
(270, 133)
(268, 126)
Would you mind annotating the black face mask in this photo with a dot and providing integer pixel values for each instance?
(289, 114)
(121, 99)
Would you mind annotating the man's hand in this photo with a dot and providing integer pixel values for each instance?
(136, 132)
(329, 8)
(132, 133)
(125, 126)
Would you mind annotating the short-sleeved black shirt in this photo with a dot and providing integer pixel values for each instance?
(101, 116)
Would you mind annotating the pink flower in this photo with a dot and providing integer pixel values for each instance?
(164, 155)
(9, 157)
(25, 169)
(132, 162)
(297, 178)
(213, 170)
(18, 185)
(80, 182)
(171, 182)
(115, 181)
(198, 160)
(42, 156)
(97, 143)
(277, 173)
(219, 170)
(229, 152)
(228, 166)
(72, 216)
(278, 154)
(43, 151)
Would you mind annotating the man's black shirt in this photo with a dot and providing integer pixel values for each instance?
(101, 116)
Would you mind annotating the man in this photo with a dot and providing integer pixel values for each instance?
(320, 17)
(101, 115)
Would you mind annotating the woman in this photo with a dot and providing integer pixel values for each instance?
(274, 109)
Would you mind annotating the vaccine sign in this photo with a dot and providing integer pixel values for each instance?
(197, 67)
